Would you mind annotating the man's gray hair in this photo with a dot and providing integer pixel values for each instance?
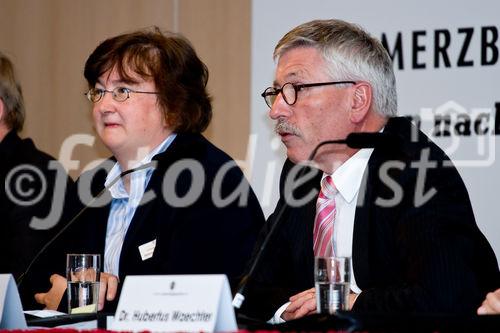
(11, 95)
(352, 54)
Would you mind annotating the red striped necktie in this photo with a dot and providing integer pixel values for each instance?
(325, 216)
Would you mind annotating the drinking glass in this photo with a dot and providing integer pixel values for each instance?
(332, 279)
(83, 273)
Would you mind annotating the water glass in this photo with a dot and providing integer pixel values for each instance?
(83, 274)
(332, 282)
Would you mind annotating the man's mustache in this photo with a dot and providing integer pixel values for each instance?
(282, 127)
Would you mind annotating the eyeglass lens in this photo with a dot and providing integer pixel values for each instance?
(287, 91)
(119, 94)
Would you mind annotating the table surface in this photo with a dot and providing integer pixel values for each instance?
(342, 322)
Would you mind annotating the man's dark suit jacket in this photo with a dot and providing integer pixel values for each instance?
(201, 238)
(19, 241)
(409, 256)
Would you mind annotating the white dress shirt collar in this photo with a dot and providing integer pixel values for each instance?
(118, 189)
(347, 178)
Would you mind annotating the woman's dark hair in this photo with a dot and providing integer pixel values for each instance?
(170, 61)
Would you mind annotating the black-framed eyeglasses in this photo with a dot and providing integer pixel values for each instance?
(289, 91)
(119, 94)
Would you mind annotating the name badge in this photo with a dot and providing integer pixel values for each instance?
(147, 249)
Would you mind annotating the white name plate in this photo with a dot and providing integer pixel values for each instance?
(175, 303)
(11, 311)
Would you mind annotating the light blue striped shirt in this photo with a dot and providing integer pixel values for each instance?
(124, 205)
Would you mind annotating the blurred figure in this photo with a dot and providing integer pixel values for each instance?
(193, 212)
(491, 304)
(400, 211)
(30, 194)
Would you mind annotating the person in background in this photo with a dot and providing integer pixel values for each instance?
(33, 184)
(491, 304)
(401, 210)
(193, 210)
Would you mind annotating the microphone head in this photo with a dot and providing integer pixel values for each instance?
(359, 140)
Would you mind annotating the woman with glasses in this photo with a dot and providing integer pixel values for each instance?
(176, 204)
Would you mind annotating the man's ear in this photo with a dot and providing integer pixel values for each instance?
(361, 101)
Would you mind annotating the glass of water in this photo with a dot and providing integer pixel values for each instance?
(332, 282)
(83, 273)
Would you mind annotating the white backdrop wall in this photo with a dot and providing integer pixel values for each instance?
(446, 60)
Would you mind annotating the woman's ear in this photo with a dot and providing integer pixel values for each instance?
(166, 119)
(4, 129)
(2, 110)
(361, 101)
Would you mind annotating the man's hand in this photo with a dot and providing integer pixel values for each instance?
(491, 305)
(301, 305)
(304, 304)
(352, 299)
(52, 298)
(107, 289)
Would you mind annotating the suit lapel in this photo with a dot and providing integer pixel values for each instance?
(304, 220)
(100, 233)
(141, 219)
(98, 216)
(360, 242)
(371, 188)
(307, 219)
(183, 146)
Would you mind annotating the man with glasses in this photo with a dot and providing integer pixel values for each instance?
(400, 210)
(174, 203)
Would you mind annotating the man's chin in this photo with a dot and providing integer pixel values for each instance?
(297, 158)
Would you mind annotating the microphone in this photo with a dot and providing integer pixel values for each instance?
(356, 140)
(359, 140)
(21, 277)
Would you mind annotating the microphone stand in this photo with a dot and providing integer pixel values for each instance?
(21, 277)
(239, 297)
